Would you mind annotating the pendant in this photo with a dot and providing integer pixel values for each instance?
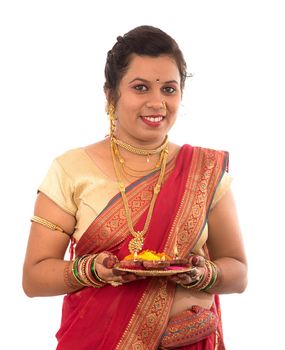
(136, 243)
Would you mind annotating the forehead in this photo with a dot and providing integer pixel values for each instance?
(150, 68)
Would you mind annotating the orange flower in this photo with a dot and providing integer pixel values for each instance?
(148, 255)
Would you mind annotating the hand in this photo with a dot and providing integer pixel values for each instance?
(192, 276)
(105, 262)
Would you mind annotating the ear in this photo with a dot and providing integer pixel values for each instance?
(107, 93)
(109, 97)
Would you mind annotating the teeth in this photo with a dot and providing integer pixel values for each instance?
(154, 119)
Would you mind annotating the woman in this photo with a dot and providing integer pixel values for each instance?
(131, 192)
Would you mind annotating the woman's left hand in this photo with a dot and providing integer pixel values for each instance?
(198, 263)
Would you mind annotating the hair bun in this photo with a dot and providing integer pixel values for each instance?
(120, 39)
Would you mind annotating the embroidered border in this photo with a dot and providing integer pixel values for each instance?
(153, 309)
(206, 170)
(204, 175)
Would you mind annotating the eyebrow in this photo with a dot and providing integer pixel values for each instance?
(147, 81)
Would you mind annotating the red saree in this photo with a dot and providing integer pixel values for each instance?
(134, 315)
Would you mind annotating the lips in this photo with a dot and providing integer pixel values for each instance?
(153, 120)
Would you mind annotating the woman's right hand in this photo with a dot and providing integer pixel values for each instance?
(105, 263)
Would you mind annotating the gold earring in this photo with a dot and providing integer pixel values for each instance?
(112, 118)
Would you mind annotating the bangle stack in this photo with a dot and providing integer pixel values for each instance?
(84, 271)
(207, 280)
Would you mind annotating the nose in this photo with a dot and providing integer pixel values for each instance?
(156, 101)
(156, 105)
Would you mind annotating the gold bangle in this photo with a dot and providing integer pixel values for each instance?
(69, 278)
(75, 271)
(88, 273)
(191, 285)
(82, 272)
(214, 277)
(47, 224)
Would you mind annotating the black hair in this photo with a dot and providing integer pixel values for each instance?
(144, 41)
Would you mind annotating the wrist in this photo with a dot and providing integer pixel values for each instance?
(207, 280)
(84, 271)
(70, 281)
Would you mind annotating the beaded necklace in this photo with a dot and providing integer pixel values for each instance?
(129, 171)
(140, 151)
(136, 243)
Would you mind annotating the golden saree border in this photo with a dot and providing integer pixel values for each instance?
(206, 170)
(153, 308)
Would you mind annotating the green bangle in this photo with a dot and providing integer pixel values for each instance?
(94, 272)
(75, 271)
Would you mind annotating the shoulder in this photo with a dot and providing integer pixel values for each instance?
(209, 155)
(70, 156)
(74, 158)
(204, 151)
(71, 162)
(80, 153)
(82, 161)
(209, 151)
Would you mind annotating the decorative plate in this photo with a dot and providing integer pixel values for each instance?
(152, 273)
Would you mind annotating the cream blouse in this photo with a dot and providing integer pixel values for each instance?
(79, 187)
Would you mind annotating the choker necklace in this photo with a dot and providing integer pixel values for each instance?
(127, 171)
(141, 151)
(136, 243)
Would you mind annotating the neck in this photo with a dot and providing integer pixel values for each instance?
(141, 150)
(139, 142)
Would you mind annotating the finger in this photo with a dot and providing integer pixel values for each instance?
(102, 256)
(186, 280)
(193, 273)
(197, 260)
(129, 277)
(118, 272)
(110, 261)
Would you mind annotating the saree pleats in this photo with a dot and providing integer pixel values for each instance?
(134, 315)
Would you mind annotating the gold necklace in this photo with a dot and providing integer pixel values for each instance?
(136, 243)
(140, 151)
(128, 171)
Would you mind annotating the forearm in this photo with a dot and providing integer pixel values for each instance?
(49, 277)
(232, 276)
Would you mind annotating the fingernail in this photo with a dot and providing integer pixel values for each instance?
(195, 260)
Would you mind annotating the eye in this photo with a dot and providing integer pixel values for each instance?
(140, 87)
(169, 90)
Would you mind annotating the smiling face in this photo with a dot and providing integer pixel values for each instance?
(149, 99)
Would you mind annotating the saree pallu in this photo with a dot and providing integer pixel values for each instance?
(134, 315)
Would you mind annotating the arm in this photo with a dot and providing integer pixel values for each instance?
(44, 272)
(226, 247)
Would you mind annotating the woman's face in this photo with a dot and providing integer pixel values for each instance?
(149, 85)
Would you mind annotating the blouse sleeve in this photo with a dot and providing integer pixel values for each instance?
(58, 186)
(222, 188)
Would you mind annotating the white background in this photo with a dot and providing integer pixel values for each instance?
(51, 77)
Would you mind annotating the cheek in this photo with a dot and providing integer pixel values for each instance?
(174, 107)
(127, 106)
